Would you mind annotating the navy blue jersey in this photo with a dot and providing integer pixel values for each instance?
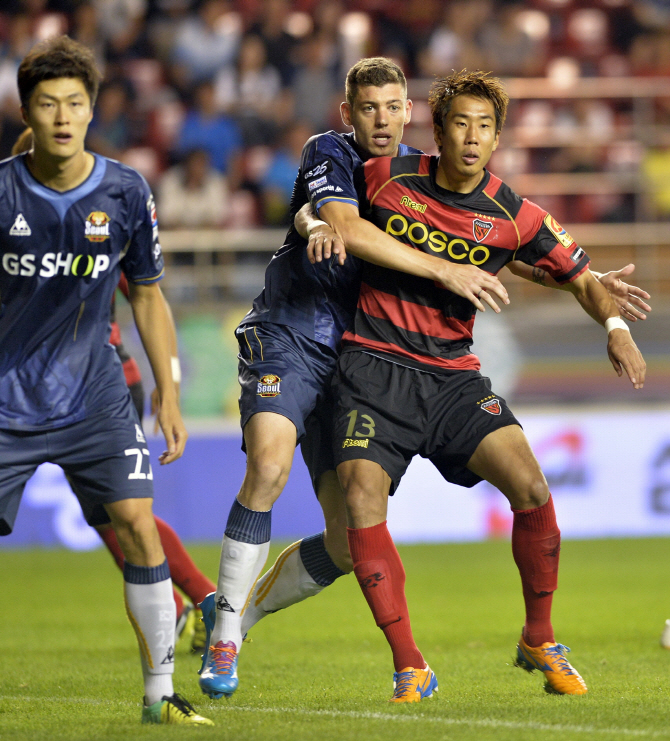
(317, 300)
(62, 256)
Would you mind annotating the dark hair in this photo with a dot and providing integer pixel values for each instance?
(377, 71)
(58, 56)
(477, 84)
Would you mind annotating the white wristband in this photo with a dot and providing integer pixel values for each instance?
(176, 369)
(615, 322)
(314, 224)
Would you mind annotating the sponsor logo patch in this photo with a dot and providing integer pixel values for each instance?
(558, 231)
(169, 656)
(481, 229)
(269, 386)
(350, 443)
(139, 435)
(96, 227)
(20, 227)
(577, 255)
(223, 605)
(371, 581)
(420, 207)
(318, 183)
(321, 169)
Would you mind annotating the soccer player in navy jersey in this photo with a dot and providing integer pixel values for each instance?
(70, 221)
(408, 384)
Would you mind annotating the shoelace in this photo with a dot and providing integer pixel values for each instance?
(182, 704)
(223, 656)
(404, 683)
(557, 653)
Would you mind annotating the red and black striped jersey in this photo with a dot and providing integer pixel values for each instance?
(414, 320)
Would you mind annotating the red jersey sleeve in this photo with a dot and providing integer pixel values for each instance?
(545, 244)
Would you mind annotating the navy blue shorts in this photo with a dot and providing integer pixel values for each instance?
(282, 371)
(388, 413)
(105, 457)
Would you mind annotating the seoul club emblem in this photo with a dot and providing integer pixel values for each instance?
(96, 227)
(269, 386)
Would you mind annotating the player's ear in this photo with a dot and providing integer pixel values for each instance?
(437, 136)
(24, 116)
(345, 112)
(496, 141)
(408, 111)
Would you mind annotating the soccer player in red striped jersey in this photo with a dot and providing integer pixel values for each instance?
(407, 382)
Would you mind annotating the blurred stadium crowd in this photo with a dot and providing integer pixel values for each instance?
(212, 100)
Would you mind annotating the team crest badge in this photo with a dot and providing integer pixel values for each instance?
(481, 229)
(269, 386)
(97, 226)
(492, 406)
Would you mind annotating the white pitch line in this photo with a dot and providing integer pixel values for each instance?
(437, 720)
(480, 723)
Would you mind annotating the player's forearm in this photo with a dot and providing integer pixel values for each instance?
(534, 274)
(593, 297)
(365, 240)
(304, 219)
(156, 332)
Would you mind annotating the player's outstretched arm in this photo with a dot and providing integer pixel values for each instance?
(365, 240)
(153, 324)
(622, 351)
(323, 241)
(628, 299)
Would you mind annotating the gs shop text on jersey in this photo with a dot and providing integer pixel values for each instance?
(60, 259)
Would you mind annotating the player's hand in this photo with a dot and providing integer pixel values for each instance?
(323, 243)
(169, 418)
(474, 284)
(628, 299)
(625, 356)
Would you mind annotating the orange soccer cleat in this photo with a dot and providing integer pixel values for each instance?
(412, 685)
(549, 658)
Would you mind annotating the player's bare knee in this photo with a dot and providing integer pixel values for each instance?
(264, 481)
(532, 494)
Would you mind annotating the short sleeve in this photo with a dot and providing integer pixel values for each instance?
(327, 170)
(547, 245)
(143, 259)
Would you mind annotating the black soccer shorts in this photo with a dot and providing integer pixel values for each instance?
(388, 413)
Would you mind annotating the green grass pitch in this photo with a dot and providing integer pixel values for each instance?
(321, 670)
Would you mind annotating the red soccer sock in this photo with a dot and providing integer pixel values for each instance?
(536, 544)
(381, 576)
(185, 574)
(109, 539)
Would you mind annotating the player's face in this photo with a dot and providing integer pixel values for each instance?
(59, 112)
(378, 116)
(466, 142)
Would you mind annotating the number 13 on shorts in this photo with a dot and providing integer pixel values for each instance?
(363, 427)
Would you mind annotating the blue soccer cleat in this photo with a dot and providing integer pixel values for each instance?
(218, 673)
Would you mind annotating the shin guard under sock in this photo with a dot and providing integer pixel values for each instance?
(536, 545)
(381, 576)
